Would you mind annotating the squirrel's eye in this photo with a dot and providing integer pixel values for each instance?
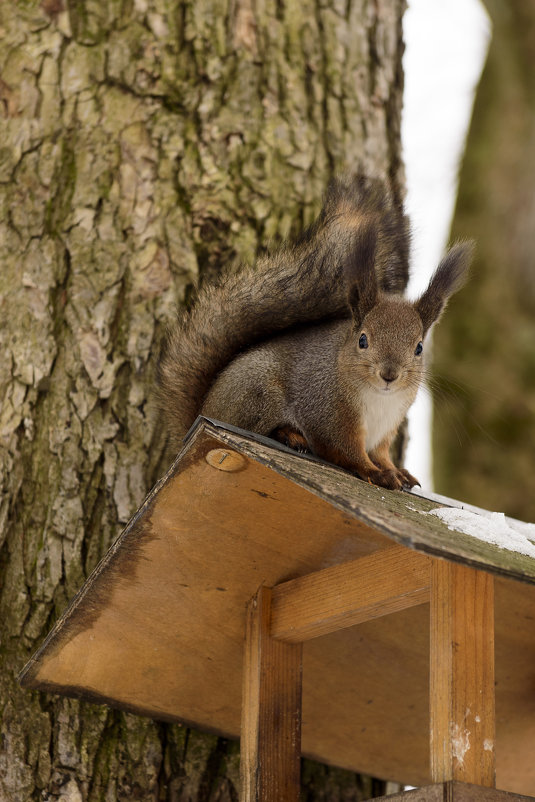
(419, 349)
(363, 341)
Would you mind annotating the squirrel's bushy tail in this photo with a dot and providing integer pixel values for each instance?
(299, 284)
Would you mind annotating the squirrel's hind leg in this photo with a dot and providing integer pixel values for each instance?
(292, 438)
(248, 393)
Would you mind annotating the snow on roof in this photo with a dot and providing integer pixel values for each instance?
(492, 527)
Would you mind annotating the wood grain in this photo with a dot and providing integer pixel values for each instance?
(271, 712)
(401, 516)
(462, 702)
(169, 601)
(341, 596)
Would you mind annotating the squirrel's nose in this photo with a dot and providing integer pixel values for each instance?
(388, 374)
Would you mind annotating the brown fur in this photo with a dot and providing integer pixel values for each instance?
(301, 283)
(275, 349)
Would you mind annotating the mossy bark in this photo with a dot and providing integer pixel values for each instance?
(485, 346)
(145, 143)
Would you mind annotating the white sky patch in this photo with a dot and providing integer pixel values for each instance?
(446, 45)
(491, 527)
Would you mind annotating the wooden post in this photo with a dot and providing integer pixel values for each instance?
(271, 714)
(462, 675)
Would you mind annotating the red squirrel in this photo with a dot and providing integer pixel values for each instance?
(315, 346)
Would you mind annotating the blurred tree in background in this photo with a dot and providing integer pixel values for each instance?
(484, 355)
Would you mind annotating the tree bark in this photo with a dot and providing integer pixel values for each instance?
(485, 347)
(145, 143)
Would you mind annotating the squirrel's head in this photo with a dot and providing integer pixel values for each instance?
(386, 345)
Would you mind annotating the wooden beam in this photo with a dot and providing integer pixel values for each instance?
(344, 595)
(271, 711)
(462, 675)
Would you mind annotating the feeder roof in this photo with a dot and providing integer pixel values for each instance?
(158, 628)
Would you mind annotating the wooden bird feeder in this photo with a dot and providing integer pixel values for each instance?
(376, 639)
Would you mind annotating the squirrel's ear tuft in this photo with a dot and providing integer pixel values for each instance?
(450, 276)
(360, 273)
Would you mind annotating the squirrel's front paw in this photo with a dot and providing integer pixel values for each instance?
(392, 478)
(385, 477)
(407, 479)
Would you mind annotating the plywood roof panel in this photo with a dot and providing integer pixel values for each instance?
(159, 626)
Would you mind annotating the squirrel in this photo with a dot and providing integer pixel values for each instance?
(315, 346)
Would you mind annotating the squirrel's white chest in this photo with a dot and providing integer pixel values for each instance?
(383, 412)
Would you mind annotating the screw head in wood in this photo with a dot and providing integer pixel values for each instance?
(225, 460)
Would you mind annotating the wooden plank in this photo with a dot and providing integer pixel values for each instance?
(271, 711)
(462, 702)
(454, 792)
(169, 601)
(341, 596)
(401, 516)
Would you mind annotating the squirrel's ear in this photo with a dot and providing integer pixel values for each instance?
(449, 277)
(360, 273)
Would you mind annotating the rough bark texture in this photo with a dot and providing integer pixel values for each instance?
(144, 143)
(485, 347)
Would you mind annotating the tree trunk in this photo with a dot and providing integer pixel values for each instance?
(485, 347)
(144, 143)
